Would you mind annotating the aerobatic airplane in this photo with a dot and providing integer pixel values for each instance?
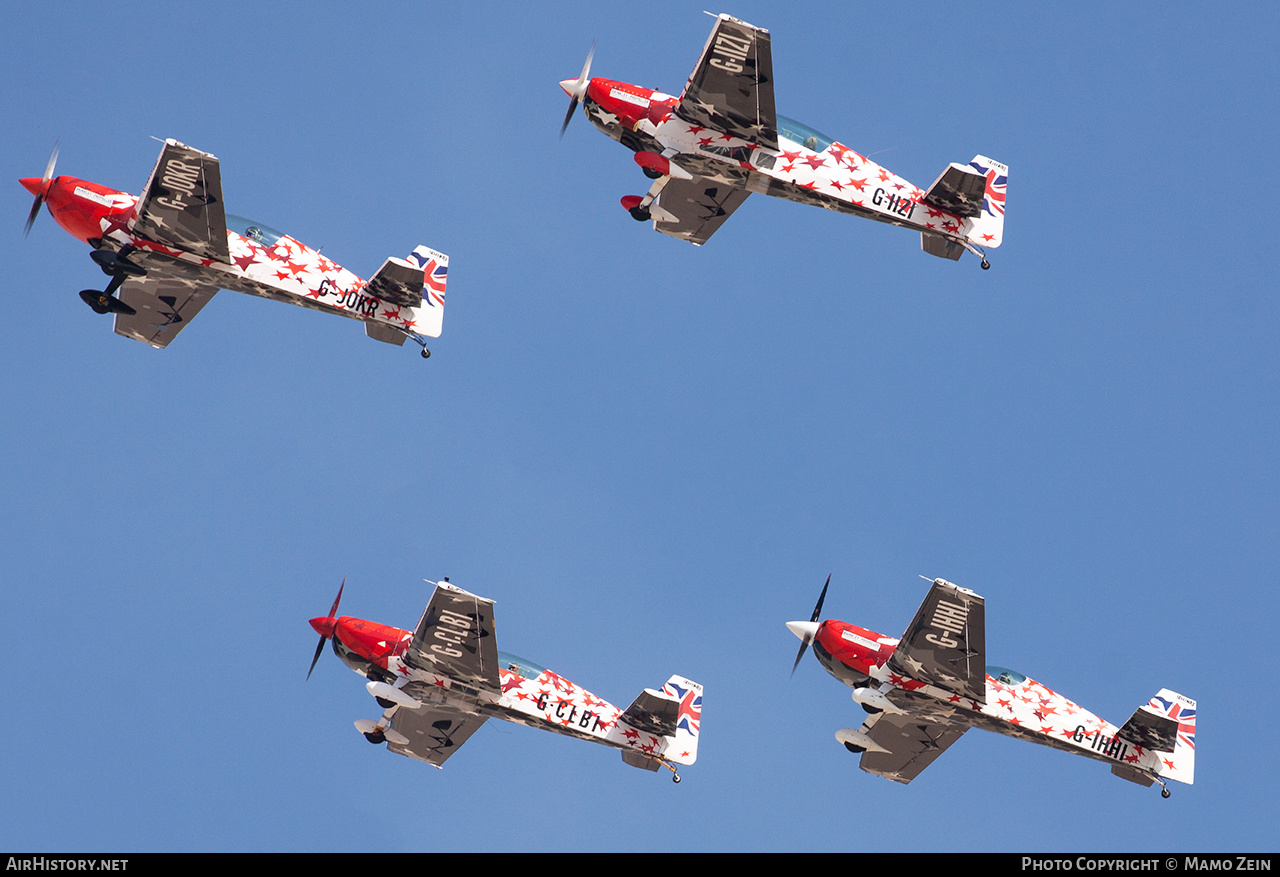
(168, 251)
(442, 680)
(721, 140)
(925, 690)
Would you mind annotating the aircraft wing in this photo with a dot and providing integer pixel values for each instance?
(731, 88)
(181, 206)
(164, 305)
(454, 638)
(913, 742)
(700, 206)
(945, 644)
(434, 732)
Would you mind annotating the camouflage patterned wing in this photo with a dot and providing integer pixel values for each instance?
(945, 644)
(434, 732)
(700, 207)
(731, 88)
(454, 638)
(913, 742)
(164, 305)
(182, 204)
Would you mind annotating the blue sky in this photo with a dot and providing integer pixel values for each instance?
(650, 455)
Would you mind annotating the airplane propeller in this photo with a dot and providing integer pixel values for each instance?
(807, 630)
(324, 626)
(41, 190)
(577, 88)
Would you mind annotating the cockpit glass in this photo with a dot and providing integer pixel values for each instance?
(1005, 676)
(519, 666)
(803, 134)
(264, 235)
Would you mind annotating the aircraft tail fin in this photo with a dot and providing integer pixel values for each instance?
(435, 270)
(662, 725)
(987, 229)
(1181, 711)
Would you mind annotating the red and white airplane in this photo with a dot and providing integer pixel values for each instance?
(926, 689)
(442, 680)
(168, 251)
(721, 140)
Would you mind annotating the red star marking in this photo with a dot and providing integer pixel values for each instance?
(934, 214)
(899, 186)
(1005, 704)
(950, 226)
(860, 185)
(705, 141)
(1046, 729)
(930, 225)
(392, 315)
(513, 681)
(244, 261)
(1131, 758)
(282, 275)
(439, 683)
(315, 293)
(1167, 763)
(1067, 732)
(917, 194)
(955, 698)
(1016, 721)
(696, 129)
(295, 268)
(631, 734)
(988, 237)
(790, 156)
(726, 137)
(815, 161)
(835, 184)
(788, 168)
(808, 186)
(884, 175)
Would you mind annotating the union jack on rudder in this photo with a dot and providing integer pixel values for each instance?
(690, 716)
(435, 270)
(993, 198)
(1184, 716)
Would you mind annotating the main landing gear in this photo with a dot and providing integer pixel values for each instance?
(116, 265)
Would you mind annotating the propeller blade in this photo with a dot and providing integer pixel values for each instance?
(53, 161)
(44, 180)
(31, 217)
(316, 657)
(318, 625)
(334, 610)
(807, 640)
(579, 88)
(568, 116)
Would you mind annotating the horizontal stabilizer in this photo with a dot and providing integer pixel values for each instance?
(937, 245)
(384, 333)
(398, 282)
(635, 759)
(1150, 731)
(1133, 775)
(958, 191)
(653, 712)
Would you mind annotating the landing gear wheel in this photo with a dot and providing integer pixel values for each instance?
(92, 297)
(675, 778)
(870, 710)
(640, 214)
(1164, 793)
(650, 173)
(985, 264)
(384, 703)
(375, 737)
(426, 354)
(856, 750)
